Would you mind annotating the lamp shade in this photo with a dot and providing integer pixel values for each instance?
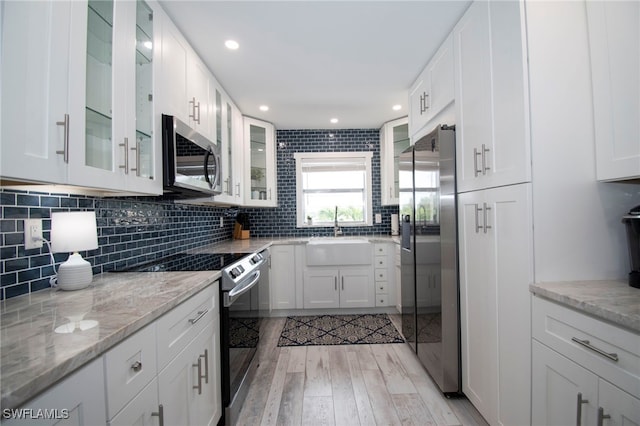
(73, 231)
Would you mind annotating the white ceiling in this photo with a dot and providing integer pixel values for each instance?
(310, 61)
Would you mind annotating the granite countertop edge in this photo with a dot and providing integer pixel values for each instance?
(16, 395)
(613, 301)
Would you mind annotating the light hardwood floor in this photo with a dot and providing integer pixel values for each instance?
(382, 384)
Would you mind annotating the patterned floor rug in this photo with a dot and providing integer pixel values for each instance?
(338, 330)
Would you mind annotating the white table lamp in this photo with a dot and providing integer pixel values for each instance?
(74, 232)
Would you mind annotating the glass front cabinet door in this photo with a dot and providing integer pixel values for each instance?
(394, 138)
(261, 170)
(118, 151)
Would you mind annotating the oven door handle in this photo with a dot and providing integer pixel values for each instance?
(240, 289)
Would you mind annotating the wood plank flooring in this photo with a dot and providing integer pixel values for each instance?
(348, 385)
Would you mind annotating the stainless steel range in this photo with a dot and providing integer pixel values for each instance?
(243, 291)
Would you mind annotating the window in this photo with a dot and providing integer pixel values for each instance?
(330, 181)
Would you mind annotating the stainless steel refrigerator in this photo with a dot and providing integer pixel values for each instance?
(429, 255)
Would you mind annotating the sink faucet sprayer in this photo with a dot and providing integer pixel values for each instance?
(336, 228)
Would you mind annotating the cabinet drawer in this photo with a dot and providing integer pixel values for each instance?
(179, 326)
(381, 288)
(380, 249)
(380, 274)
(560, 328)
(381, 261)
(382, 300)
(129, 367)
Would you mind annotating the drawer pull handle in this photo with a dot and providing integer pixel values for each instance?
(206, 365)
(199, 366)
(136, 366)
(159, 414)
(199, 316)
(602, 416)
(586, 344)
(579, 408)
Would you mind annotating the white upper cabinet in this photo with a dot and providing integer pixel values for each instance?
(260, 170)
(614, 41)
(491, 97)
(37, 40)
(434, 88)
(187, 84)
(394, 138)
(90, 126)
(229, 137)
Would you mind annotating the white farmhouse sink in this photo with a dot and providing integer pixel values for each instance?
(339, 251)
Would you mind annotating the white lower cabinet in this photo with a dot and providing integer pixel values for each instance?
(282, 277)
(384, 274)
(78, 399)
(143, 410)
(190, 384)
(588, 383)
(348, 287)
(495, 246)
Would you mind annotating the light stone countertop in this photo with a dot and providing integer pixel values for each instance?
(33, 356)
(252, 245)
(613, 300)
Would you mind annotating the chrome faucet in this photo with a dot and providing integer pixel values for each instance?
(336, 229)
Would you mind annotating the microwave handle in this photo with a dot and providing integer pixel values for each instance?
(206, 168)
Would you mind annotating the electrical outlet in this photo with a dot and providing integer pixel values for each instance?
(221, 222)
(378, 218)
(32, 229)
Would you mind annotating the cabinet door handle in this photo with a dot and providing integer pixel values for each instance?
(426, 101)
(125, 145)
(194, 108)
(269, 193)
(198, 119)
(199, 366)
(342, 279)
(198, 317)
(421, 104)
(486, 210)
(65, 147)
(612, 356)
(478, 226)
(137, 151)
(335, 283)
(579, 409)
(602, 416)
(159, 414)
(485, 168)
(206, 365)
(476, 171)
(237, 189)
(390, 192)
(136, 366)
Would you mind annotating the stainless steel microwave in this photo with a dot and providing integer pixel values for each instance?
(190, 162)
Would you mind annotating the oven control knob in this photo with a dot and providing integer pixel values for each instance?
(257, 258)
(235, 272)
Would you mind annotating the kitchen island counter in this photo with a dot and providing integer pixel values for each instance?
(39, 345)
(611, 300)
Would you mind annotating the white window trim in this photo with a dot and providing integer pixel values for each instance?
(367, 155)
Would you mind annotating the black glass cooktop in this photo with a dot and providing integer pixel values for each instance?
(187, 262)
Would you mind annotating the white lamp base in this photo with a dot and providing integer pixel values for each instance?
(75, 273)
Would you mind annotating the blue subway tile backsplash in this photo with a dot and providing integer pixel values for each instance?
(133, 230)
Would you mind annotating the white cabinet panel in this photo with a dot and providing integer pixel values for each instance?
(495, 273)
(394, 138)
(492, 128)
(561, 390)
(614, 42)
(433, 90)
(79, 399)
(282, 280)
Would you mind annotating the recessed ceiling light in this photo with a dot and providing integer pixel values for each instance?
(231, 44)
(264, 108)
(334, 120)
(397, 107)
